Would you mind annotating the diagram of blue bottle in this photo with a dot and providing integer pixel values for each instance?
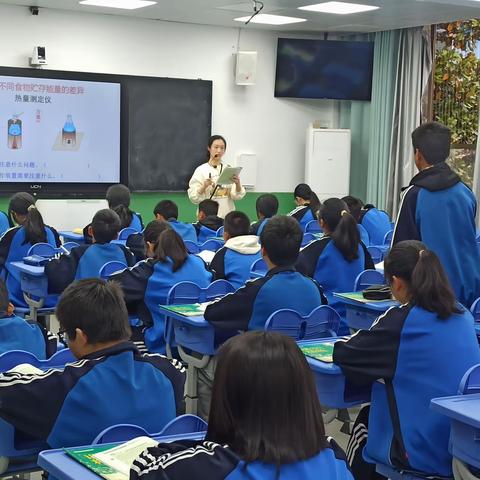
(14, 130)
(69, 133)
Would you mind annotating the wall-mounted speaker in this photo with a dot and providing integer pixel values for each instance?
(246, 68)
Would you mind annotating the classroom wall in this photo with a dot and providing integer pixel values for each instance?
(250, 118)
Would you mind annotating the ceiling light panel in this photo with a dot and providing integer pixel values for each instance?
(123, 4)
(339, 8)
(268, 19)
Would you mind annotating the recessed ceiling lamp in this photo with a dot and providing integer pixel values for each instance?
(339, 8)
(268, 19)
(125, 4)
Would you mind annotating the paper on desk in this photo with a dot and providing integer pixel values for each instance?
(25, 368)
(225, 177)
(189, 309)
(121, 458)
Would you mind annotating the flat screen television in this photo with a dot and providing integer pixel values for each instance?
(324, 69)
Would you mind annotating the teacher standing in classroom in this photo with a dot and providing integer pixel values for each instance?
(203, 184)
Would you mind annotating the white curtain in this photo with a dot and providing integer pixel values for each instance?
(415, 66)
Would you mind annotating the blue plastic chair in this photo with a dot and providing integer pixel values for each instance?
(322, 322)
(110, 268)
(125, 233)
(313, 227)
(258, 269)
(192, 247)
(189, 292)
(11, 359)
(307, 238)
(387, 239)
(470, 382)
(44, 250)
(475, 310)
(367, 278)
(211, 244)
(184, 424)
(69, 245)
(376, 253)
(4, 223)
(220, 232)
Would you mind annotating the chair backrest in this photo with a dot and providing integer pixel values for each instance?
(126, 232)
(367, 278)
(307, 238)
(376, 253)
(11, 359)
(184, 424)
(220, 232)
(387, 239)
(60, 358)
(120, 433)
(470, 382)
(211, 244)
(192, 247)
(312, 227)
(43, 249)
(69, 245)
(475, 310)
(189, 292)
(4, 223)
(110, 268)
(322, 322)
(258, 269)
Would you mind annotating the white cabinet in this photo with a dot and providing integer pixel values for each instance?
(327, 162)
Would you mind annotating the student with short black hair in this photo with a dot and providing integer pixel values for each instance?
(147, 284)
(167, 211)
(414, 352)
(234, 260)
(440, 210)
(308, 205)
(267, 207)
(208, 220)
(335, 260)
(19, 334)
(16, 242)
(265, 421)
(111, 383)
(118, 198)
(85, 261)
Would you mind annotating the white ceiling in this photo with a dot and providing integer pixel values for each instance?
(392, 14)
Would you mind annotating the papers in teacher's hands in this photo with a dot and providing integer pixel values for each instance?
(225, 177)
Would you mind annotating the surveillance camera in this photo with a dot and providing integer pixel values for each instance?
(34, 10)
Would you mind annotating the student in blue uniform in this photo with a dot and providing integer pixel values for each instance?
(411, 354)
(265, 422)
(168, 211)
(267, 207)
(16, 242)
(355, 205)
(308, 205)
(233, 261)
(440, 210)
(118, 198)
(208, 220)
(111, 383)
(147, 284)
(86, 261)
(18, 334)
(376, 222)
(335, 260)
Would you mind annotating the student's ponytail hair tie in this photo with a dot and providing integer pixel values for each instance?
(344, 212)
(32, 207)
(421, 253)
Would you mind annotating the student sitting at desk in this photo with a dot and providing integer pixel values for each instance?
(86, 261)
(265, 421)
(234, 260)
(168, 211)
(267, 207)
(147, 284)
(111, 383)
(335, 260)
(16, 242)
(118, 198)
(208, 220)
(308, 205)
(18, 334)
(411, 354)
